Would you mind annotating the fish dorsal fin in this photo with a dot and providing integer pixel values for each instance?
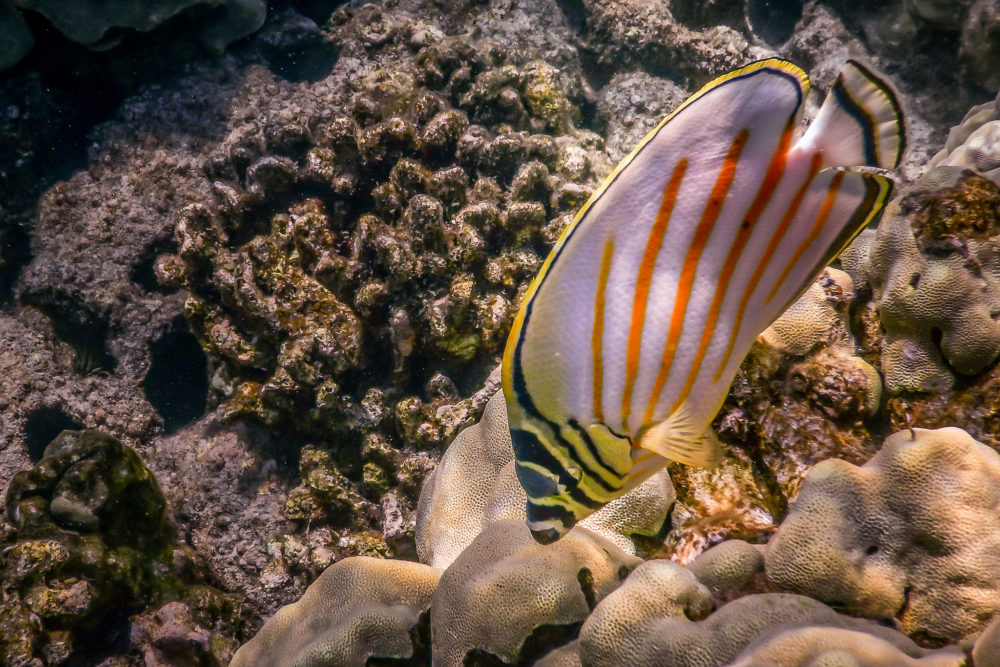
(858, 99)
(680, 438)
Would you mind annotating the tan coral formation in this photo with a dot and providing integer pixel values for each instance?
(913, 534)
(357, 609)
(475, 485)
(668, 633)
(932, 264)
(840, 647)
(506, 595)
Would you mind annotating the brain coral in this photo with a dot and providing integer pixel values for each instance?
(475, 484)
(912, 535)
(359, 608)
(659, 618)
(508, 598)
(836, 647)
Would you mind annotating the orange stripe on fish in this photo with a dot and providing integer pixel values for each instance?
(701, 234)
(775, 170)
(596, 340)
(824, 212)
(643, 281)
(779, 234)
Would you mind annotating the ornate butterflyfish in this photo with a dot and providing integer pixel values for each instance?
(628, 338)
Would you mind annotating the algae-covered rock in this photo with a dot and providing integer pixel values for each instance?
(359, 609)
(508, 598)
(475, 484)
(88, 545)
(911, 535)
(375, 236)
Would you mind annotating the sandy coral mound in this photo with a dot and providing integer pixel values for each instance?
(357, 609)
(911, 535)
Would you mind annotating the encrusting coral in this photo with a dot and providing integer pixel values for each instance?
(358, 609)
(912, 535)
(663, 618)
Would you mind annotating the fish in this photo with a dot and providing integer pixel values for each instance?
(626, 342)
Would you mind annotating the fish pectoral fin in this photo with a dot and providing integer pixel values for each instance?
(678, 439)
(860, 122)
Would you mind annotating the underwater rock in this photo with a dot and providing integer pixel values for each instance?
(358, 610)
(475, 485)
(910, 535)
(88, 544)
(508, 598)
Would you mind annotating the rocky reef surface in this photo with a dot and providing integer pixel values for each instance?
(259, 293)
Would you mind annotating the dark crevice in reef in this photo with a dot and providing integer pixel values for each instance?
(42, 426)
(575, 13)
(82, 329)
(176, 384)
(420, 636)
(539, 643)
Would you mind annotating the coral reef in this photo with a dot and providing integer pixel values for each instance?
(678, 630)
(88, 543)
(802, 376)
(910, 535)
(358, 609)
(362, 204)
(937, 240)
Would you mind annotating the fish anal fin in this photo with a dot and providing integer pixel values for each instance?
(679, 438)
(860, 122)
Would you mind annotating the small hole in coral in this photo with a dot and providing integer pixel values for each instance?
(914, 280)
(872, 550)
(42, 426)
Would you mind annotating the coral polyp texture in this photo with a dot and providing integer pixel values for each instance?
(510, 599)
(912, 535)
(360, 234)
(359, 609)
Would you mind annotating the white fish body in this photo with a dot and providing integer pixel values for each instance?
(628, 339)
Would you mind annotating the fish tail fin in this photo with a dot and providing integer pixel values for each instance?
(860, 122)
(684, 439)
